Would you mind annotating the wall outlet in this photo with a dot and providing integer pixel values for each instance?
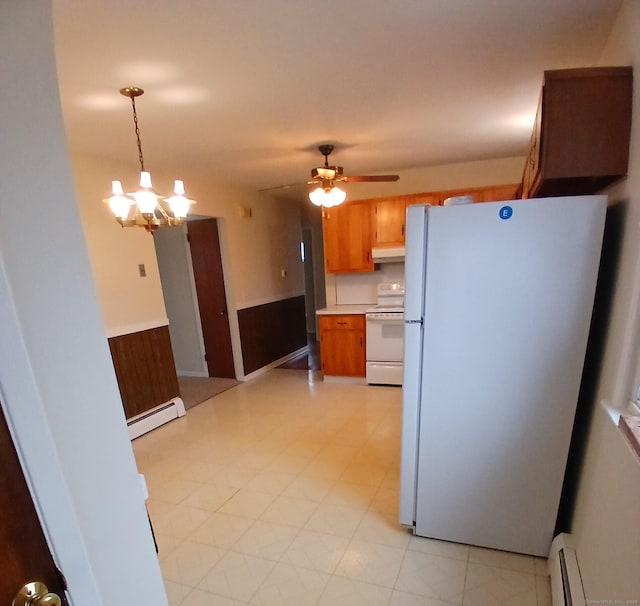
(142, 270)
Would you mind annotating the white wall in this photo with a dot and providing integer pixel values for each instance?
(254, 249)
(56, 377)
(129, 303)
(605, 522)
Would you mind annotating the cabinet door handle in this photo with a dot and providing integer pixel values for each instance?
(360, 341)
(403, 230)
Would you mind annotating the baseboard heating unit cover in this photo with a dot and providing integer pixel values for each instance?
(154, 417)
(566, 582)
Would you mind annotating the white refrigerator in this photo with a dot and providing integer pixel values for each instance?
(497, 309)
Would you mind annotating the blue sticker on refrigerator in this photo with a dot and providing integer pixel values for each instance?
(506, 212)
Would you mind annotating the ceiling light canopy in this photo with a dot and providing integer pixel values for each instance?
(145, 208)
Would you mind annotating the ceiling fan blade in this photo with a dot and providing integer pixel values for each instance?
(327, 175)
(360, 178)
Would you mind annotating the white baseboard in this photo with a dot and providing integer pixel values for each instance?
(192, 373)
(261, 371)
(154, 417)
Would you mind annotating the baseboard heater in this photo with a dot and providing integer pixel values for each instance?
(566, 582)
(154, 417)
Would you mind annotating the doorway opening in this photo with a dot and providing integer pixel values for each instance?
(192, 277)
(310, 359)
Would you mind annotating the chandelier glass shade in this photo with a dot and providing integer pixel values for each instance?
(327, 195)
(145, 208)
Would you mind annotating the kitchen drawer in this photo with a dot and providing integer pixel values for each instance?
(345, 322)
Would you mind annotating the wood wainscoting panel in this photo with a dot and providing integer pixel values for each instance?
(271, 331)
(145, 369)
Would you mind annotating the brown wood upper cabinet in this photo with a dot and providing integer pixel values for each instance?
(433, 198)
(580, 141)
(388, 221)
(499, 193)
(346, 231)
(352, 229)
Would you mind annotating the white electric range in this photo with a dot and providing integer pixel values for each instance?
(385, 336)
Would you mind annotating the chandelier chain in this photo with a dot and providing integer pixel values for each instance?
(135, 121)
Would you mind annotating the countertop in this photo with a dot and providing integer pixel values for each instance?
(343, 309)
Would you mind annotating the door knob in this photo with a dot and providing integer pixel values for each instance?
(35, 593)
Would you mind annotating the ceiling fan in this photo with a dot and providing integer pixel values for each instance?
(325, 177)
(335, 173)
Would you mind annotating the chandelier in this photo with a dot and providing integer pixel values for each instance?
(145, 208)
(327, 194)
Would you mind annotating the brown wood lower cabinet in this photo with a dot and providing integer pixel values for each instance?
(342, 345)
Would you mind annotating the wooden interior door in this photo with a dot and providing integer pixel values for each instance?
(212, 300)
(24, 554)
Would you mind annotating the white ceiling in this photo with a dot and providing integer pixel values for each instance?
(245, 90)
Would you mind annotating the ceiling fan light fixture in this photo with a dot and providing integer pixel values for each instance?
(326, 193)
(327, 196)
(337, 196)
(317, 196)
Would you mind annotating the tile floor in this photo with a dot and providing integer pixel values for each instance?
(284, 491)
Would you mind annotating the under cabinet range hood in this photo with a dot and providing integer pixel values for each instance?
(389, 254)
